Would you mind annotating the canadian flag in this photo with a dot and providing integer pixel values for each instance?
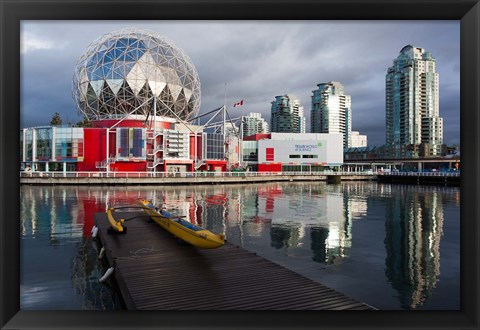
(238, 104)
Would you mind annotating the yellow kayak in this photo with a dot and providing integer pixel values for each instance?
(116, 225)
(183, 229)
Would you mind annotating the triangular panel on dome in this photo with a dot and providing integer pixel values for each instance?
(169, 52)
(139, 52)
(82, 88)
(136, 73)
(115, 84)
(93, 106)
(149, 43)
(141, 45)
(145, 98)
(106, 92)
(170, 75)
(131, 56)
(97, 73)
(165, 99)
(159, 50)
(156, 86)
(111, 42)
(83, 76)
(180, 103)
(90, 95)
(96, 86)
(109, 56)
(133, 43)
(125, 98)
(136, 85)
(188, 79)
(175, 90)
(82, 91)
(121, 42)
(188, 93)
(106, 69)
(148, 66)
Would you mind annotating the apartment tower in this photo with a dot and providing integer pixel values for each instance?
(254, 124)
(287, 115)
(332, 111)
(412, 106)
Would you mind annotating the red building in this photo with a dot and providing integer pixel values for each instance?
(122, 145)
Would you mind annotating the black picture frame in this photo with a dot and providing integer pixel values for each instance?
(13, 11)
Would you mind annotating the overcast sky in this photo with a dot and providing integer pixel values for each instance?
(257, 60)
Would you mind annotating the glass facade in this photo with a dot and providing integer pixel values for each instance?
(44, 144)
(68, 144)
(122, 72)
(51, 144)
(254, 124)
(412, 101)
(250, 150)
(332, 111)
(131, 144)
(287, 115)
(214, 147)
(29, 145)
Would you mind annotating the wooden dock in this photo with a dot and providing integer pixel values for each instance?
(154, 272)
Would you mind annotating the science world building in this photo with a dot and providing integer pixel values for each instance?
(139, 92)
(140, 95)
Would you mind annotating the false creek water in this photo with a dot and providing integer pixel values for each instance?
(391, 246)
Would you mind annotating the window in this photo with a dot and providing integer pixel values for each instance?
(131, 143)
(214, 146)
(68, 143)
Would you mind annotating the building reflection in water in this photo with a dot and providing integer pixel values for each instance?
(413, 227)
(62, 217)
(312, 220)
(305, 216)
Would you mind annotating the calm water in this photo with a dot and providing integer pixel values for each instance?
(391, 246)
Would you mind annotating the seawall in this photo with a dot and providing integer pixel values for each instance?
(183, 180)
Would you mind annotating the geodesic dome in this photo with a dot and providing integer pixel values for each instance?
(124, 71)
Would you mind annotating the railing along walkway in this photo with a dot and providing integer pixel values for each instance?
(112, 174)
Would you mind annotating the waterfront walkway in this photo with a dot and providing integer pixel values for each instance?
(183, 178)
(428, 178)
(155, 272)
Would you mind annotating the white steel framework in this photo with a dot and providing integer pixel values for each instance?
(121, 70)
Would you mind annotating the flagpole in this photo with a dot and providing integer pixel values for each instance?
(224, 130)
(224, 109)
(240, 148)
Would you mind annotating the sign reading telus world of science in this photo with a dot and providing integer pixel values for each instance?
(301, 148)
(307, 147)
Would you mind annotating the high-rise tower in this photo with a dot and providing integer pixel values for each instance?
(332, 111)
(254, 124)
(287, 115)
(412, 106)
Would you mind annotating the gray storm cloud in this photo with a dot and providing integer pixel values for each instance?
(257, 60)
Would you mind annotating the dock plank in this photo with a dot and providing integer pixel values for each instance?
(154, 272)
